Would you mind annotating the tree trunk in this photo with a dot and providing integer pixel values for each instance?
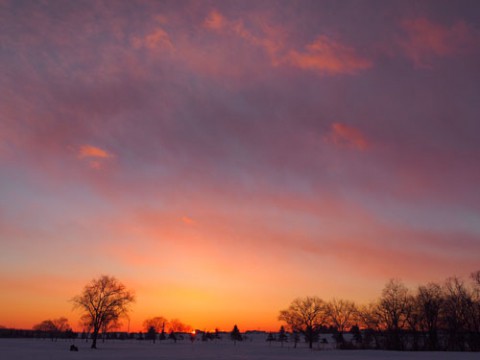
(309, 336)
(94, 339)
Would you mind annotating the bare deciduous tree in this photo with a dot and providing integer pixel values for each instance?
(61, 324)
(430, 302)
(155, 325)
(369, 317)
(305, 315)
(413, 316)
(393, 308)
(456, 312)
(177, 326)
(46, 328)
(103, 301)
(342, 315)
(53, 328)
(436, 317)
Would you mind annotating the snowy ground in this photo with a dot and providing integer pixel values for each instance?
(23, 349)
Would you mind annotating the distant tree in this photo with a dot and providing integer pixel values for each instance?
(61, 324)
(341, 314)
(45, 328)
(235, 335)
(151, 334)
(456, 312)
(305, 315)
(217, 335)
(154, 325)
(392, 310)
(162, 332)
(53, 328)
(413, 314)
(103, 301)
(430, 301)
(370, 318)
(282, 335)
(178, 327)
(45, 325)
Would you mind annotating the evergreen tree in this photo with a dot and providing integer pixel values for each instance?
(217, 334)
(282, 335)
(151, 334)
(235, 335)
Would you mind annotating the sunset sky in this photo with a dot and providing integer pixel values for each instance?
(221, 158)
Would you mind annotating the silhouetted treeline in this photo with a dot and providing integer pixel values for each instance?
(20, 333)
(431, 317)
(47, 329)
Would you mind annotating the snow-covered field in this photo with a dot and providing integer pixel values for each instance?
(26, 349)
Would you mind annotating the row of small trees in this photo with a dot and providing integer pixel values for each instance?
(161, 326)
(432, 317)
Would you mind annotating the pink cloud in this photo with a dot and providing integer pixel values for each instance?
(327, 56)
(158, 38)
(425, 40)
(215, 21)
(90, 151)
(95, 156)
(347, 136)
(324, 55)
(259, 35)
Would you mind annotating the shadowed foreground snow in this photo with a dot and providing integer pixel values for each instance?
(23, 349)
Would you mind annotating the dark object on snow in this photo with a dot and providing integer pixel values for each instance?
(73, 348)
